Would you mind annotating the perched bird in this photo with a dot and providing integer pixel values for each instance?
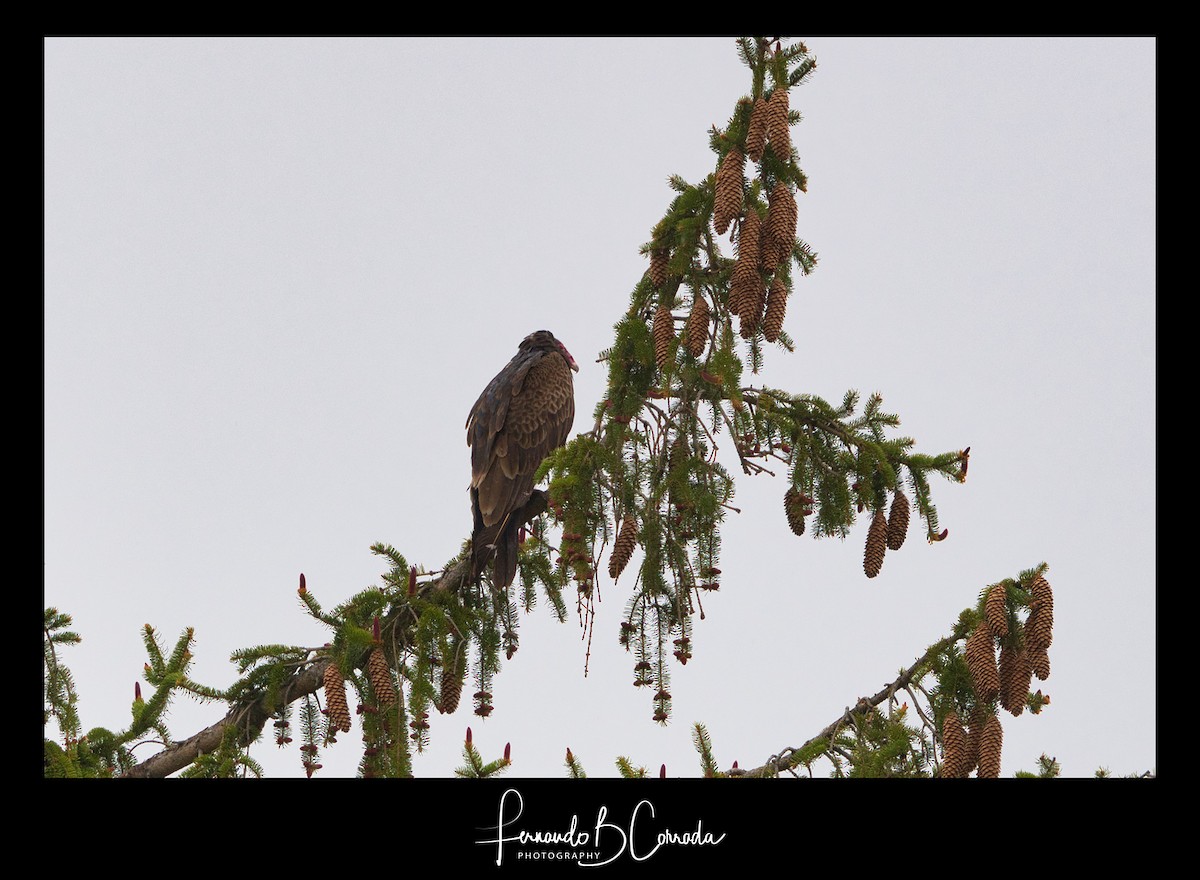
(523, 415)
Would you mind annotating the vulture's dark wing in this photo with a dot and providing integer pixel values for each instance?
(523, 415)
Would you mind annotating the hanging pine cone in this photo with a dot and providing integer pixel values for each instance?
(659, 257)
(730, 182)
(336, 707)
(1039, 627)
(381, 677)
(776, 307)
(954, 748)
(979, 717)
(623, 546)
(991, 742)
(780, 229)
(995, 607)
(1039, 660)
(756, 136)
(750, 301)
(749, 232)
(664, 333)
(981, 660)
(695, 331)
(876, 545)
(795, 506)
(779, 134)
(897, 529)
(454, 670)
(1015, 675)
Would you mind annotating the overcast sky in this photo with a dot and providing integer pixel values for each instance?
(278, 272)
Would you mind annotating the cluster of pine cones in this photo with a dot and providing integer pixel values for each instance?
(763, 244)
(886, 533)
(1023, 655)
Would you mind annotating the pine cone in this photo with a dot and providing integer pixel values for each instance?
(776, 308)
(664, 333)
(730, 182)
(1039, 660)
(781, 222)
(979, 717)
(991, 742)
(756, 136)
(454, 670)
(779, 134)
(1039, 627)
(623, 546)
(749, 232)
(1015, 675)
(695, 331)
(750, 301)
(876, 545)
(995, 606)
(658, 266)
(897, 529)
(955, 752)
(381, 677)
(336, 707)
(981, 660)
(794, 506)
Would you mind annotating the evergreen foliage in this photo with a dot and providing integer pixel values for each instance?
(679, 417)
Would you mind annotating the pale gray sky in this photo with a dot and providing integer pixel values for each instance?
(278, 272)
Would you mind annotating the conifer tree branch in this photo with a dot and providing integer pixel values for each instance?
(791, 757)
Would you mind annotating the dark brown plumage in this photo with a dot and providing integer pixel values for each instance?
(523, 415)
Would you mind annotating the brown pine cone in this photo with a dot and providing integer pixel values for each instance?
(730, 182)
(782, 214)
(336, 707)
(1015, 675)
(795, 506)
(381, 677)
(749, 232)
(979, 717)
(1039, 627)
(776, 308)
(695, 331)
(981, 660)
(876, 545)
(955, 752)
(897, 529)
(664, 333)
(779, 134)
(995, 607)
(748, 293)
(659, 258)
(1040, 661)
(991, 742)
(454, 670)
(623, 546)
(756, 136)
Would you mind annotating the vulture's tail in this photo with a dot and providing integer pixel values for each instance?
(498, 543)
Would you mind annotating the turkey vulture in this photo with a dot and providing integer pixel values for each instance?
(523, 415)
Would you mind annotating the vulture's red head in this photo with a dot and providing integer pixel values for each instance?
(543, 340)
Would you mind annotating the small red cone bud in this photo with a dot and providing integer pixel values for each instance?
(303, 588)
(940, 537)
(137, 691)
(570, 757)
(412, 582)
(521, 535)
(784, 448)
(508, 753)
(735, 766)
(662, 772)
(468, 736)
